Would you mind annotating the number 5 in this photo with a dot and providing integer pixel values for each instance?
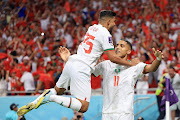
(87, 42)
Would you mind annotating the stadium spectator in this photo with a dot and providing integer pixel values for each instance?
(44, 81)
(12, 114)
(12, 82)
(58, 73)
(41, 67)
(25, 65)
(159, 95)
(175, 81)
(46, 56)
(78, 116)
(27, 80)
(3, 83)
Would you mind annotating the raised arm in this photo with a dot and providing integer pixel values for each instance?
(155, 64)
(116, 59)
(64, 53)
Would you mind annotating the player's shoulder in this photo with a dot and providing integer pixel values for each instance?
(177, 75)
(100, 29)
(105, 62)
(141, 64)
(108, 63)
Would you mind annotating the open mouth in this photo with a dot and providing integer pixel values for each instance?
(117, 51)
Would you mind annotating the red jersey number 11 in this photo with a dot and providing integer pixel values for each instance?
(87, 42)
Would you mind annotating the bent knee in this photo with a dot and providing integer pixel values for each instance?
(84, 107)
(83, 110)
(59, 91)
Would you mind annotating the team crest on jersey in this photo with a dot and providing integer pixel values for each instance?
(118, 69)
(110, 40)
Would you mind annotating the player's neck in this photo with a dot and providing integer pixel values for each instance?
(103, 24)
(124, 58)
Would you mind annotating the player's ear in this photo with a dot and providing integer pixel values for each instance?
(129, 52)
(108, 22)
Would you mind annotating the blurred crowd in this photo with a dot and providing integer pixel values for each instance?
(31, 32)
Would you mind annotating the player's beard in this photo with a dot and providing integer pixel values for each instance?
(110, 29)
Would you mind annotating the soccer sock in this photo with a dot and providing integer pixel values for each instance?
(68, 102)
(53, 91)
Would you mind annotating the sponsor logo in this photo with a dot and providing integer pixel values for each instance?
(110, 40)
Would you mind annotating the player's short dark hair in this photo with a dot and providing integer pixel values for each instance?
(130, 45)
(172, 67)
(106, 13)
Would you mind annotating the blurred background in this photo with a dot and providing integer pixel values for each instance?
(31, 32)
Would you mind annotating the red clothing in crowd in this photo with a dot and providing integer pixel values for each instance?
(51, 73)
(24, 67)
(41, 69)
(48, 81)
(95, 82)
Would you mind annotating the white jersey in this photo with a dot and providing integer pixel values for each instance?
(118, 85)
(96, 41)
(28, 80)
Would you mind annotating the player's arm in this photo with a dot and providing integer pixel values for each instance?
(155, 64)
(116, 59)
(64, 53)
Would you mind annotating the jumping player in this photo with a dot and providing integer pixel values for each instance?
(119, 81)
(78, 69)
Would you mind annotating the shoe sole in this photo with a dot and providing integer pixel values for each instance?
(24, 109)
(41, 99)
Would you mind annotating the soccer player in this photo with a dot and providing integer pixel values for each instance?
(119, 81)
(78, 69)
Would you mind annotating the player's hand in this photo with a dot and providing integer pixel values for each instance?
(159, 55)
(64, 53)
(135, 61)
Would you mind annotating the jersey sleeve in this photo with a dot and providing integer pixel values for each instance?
(107, 42)
(139, 70)
(98, 69)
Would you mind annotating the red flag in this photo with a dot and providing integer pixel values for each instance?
(163, 4)
(146, 31)
(67, 6)
(3, 55)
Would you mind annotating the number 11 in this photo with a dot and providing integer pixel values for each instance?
(116, 80)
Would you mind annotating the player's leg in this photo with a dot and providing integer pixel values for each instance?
(44, 97)
(63, 82)
(80, 88)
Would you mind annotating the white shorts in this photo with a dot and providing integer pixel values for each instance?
(116, 116)
(77, 75)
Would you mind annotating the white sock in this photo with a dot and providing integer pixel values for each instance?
(53, 92)
(68, 102)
